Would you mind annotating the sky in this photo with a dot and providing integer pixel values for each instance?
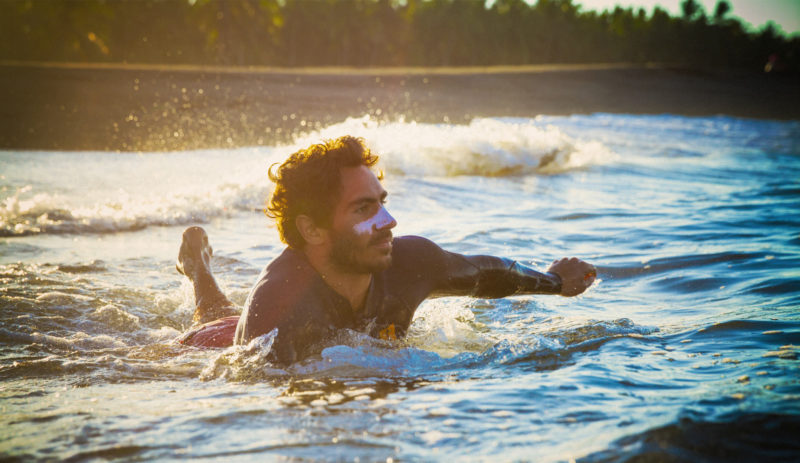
(785, 13)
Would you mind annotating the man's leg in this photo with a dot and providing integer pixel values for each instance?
(194, 261)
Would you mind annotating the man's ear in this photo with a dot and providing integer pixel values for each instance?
(311, 233)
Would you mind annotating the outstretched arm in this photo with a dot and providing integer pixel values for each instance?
(493, 277)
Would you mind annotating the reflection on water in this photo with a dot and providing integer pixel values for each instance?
(686, 349)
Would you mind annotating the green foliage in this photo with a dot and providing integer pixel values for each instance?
(722, 9)
(380, 33)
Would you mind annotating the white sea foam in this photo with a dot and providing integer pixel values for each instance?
(242, 363)
(447, 329)
(484, 147)
(114, 193)
(52, 213)
(109, 192)
(78, 340)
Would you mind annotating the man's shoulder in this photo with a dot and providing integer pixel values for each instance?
(286, 259)
(413, 243)
(415, 251)
(283, 280)
(287, 283)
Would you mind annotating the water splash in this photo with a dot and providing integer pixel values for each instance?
(484, 147)
(245, 363)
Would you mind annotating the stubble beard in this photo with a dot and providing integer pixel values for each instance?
(345, 253)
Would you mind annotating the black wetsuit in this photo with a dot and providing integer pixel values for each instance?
(291, 296)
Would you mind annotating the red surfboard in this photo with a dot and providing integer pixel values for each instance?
(218, 333)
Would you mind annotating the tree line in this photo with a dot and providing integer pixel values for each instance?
(383, 33)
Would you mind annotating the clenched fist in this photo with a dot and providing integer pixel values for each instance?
(576, 275)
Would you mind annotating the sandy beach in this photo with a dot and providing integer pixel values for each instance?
(149, 108)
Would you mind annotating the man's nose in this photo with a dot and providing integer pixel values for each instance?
(384, 220)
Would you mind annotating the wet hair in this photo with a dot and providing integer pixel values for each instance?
(309, 183)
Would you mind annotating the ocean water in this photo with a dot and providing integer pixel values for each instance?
(685, 350)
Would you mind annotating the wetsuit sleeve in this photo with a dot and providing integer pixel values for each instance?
(485, 276)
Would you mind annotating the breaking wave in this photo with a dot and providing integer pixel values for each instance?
(111, 192)
(484, 147)
(22, 214)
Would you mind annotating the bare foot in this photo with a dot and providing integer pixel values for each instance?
(194, 261)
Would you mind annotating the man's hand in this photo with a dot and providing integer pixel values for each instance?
(576, 275)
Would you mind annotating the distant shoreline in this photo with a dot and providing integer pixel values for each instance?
(134, 107)
(335, 70)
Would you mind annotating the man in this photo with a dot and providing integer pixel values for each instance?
(342, 268)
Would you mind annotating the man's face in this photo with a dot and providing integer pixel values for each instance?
(361, 230)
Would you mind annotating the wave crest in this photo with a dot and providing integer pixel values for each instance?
(485, 147)
(23, 214)
(107, 192)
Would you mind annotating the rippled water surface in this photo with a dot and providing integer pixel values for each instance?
(686, 350)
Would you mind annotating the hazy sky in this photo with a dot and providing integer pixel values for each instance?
(785, 13)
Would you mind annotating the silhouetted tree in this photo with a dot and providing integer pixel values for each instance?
(722, 9)
(380, 33)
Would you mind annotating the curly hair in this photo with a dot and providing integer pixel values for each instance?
(309, 183)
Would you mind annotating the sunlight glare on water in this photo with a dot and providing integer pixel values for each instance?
(686, 348)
